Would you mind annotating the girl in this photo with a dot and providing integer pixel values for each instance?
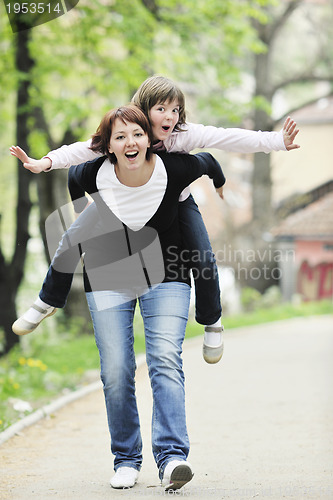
(164, 104)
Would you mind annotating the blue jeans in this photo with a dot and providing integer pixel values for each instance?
(164, 310)
(208, 307)
(57, 285)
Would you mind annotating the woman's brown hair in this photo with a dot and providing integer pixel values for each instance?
(128, 114)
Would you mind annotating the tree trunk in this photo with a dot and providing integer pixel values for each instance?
(261, 181)
(263, 216)
(12, 273)
(7, 305)
(254, 236)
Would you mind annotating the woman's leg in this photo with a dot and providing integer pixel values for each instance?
(165, 312)
(113, 326)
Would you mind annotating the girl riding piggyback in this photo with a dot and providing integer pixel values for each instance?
(163, 102)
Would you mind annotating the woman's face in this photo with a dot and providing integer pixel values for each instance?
(129, 143)
(163, 118)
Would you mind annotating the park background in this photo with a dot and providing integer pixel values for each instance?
(240, 63)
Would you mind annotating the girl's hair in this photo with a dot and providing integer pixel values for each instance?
(157, 90)
(127, 114)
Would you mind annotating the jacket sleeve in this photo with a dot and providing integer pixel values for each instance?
(205, 164)
(237, 140)
(77, 192)
(75, 153)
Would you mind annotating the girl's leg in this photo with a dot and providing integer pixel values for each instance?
(59, 277)
(58, 280)
(113, 326)
(208, 307)
(165, 312)
(207, 290)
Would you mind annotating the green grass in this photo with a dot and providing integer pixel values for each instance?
(53, 359)
(43, 370)
(279, 312)
(268, 314)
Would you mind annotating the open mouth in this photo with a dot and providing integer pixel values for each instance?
(132, 155)
(166, 128)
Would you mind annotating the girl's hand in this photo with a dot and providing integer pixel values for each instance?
(289, 133)
(220, 192)
(35, 166)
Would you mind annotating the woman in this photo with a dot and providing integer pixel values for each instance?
(137, 191)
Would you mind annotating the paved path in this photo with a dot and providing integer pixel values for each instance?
(260, 425)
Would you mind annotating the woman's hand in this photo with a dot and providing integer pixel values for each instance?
(35, 166)
(289, 133)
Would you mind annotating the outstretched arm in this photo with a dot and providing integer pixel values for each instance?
(237, 140)
(35, 166)
(73, 154)
(64, 157)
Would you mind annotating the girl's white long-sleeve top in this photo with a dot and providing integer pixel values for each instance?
(191, 137)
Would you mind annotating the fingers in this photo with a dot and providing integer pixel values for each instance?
(19, 153)
(289, 125)
(286, 123)
(13, 150)
(292, 134)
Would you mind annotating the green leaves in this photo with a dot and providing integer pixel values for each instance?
(96, 55)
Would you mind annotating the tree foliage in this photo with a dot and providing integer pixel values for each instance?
(285, 67)
(96, 55)
(91, 59)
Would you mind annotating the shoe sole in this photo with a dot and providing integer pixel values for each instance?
(212, 359)
(122, 487)
(180, 475)
(21, 331)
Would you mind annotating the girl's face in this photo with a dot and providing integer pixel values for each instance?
(129, 143)
(163, 118)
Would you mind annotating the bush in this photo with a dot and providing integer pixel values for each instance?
(250, 299)
(271, 297)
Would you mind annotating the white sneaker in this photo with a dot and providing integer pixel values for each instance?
(125, 477)
(176, 474)
(213, 354)
(29, 321)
